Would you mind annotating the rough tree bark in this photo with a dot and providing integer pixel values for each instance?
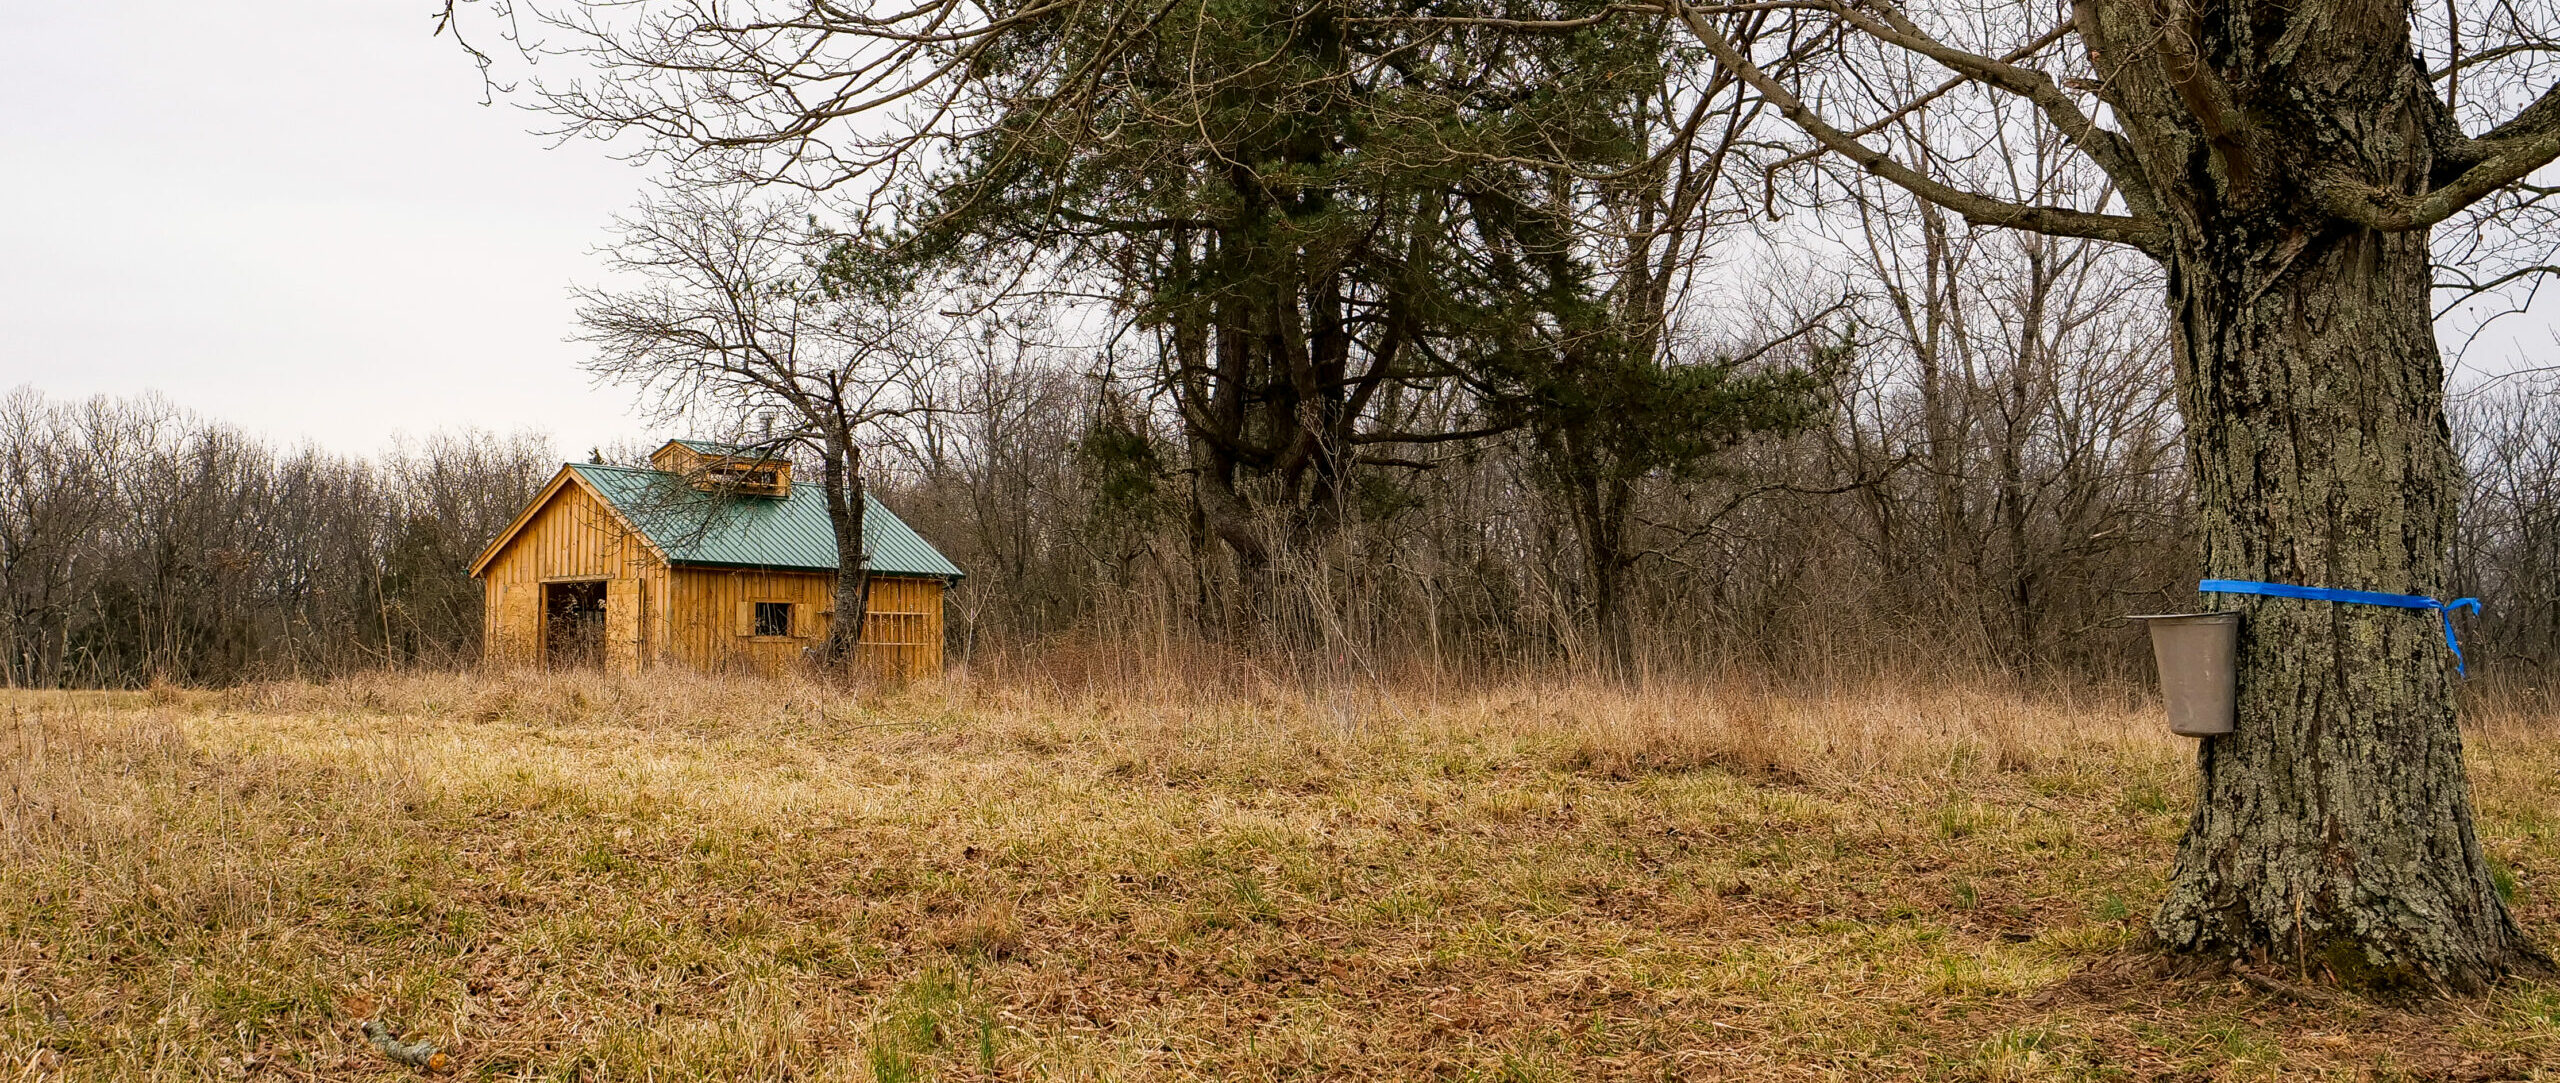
(2333, 828)
(2284, 163)
(840, 476)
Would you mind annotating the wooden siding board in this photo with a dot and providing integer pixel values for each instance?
(624, 603)
(711, 607)
(659, 613)
(571, 536)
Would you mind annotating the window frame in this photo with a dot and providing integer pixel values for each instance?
(790, 621)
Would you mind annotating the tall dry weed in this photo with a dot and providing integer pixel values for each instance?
(1103, 872)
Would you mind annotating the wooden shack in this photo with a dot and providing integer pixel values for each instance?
(708, 557)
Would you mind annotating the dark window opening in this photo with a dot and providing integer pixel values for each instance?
(752, 479)
(573, 623)
(773, 618)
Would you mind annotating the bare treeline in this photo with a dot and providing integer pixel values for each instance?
(2507, 548)
(1995, 482)
(141, 543)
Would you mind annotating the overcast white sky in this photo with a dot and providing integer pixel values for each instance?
(294, 216)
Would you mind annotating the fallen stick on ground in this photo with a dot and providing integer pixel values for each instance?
(419, 1054)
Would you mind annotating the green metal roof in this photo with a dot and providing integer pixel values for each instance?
(743, 531)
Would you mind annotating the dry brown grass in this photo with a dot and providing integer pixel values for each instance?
(686, 877)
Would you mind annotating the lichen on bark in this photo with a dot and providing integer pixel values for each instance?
(2333, 830)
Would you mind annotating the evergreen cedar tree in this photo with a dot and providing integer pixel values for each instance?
(2284, 163)
(1327, 229)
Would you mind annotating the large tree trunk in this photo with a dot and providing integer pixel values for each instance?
(2334, 830)
(1605, 508)
(841, 476)
(2273, 157)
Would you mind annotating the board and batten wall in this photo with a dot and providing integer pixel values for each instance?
(573, 537)
(714, 619)
(700, 616)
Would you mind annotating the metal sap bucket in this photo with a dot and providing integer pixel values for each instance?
(2198, 656)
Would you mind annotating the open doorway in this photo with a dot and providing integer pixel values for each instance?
(573, 624)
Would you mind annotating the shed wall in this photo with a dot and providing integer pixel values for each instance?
(713, 616)
(694, 615)
(902, 632)
(572, 537)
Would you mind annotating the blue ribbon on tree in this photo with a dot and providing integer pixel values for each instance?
(2354, 597)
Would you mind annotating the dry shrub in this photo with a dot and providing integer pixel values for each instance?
(663, 698)
(57, 757)
(1898, 729)
(2509, 709)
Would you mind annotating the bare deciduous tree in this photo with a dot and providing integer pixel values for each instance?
(138, 543)
(737, 317)
(2284, 164)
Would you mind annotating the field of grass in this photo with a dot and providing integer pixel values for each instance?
(687, 877)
